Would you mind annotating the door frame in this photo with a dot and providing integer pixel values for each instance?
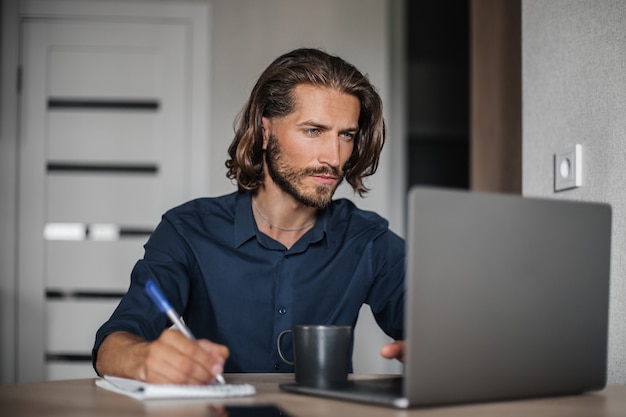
(9, 50)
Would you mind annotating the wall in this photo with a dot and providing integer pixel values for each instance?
(574, 91)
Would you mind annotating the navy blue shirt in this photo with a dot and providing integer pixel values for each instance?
(236, 286)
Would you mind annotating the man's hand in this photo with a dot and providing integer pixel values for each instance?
(393, 350)
(175, 359)
(171, 359)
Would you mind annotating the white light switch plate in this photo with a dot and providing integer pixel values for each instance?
(568, 168)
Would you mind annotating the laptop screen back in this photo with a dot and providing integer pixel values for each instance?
(507, 297)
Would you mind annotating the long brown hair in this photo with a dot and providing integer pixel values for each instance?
(272, 96)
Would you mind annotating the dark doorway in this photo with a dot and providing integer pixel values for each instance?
(438, 41)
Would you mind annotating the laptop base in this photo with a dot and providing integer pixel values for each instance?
(379, 391)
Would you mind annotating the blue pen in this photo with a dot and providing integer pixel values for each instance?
(161, 302)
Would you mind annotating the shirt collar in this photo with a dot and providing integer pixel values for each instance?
(245, 227)
(244, 220)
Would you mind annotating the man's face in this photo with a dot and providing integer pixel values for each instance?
(307, 149)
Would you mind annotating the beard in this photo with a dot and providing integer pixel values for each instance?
(292, 181)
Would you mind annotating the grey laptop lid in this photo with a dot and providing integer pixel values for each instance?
(507, 297)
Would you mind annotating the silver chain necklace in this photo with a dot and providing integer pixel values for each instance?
(284, 229)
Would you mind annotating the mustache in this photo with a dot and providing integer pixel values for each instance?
(326, 171)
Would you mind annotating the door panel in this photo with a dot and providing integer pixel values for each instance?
(107, 68)
(81, 313)
(104, 152)
(129, 137)
(67, 353)
(124, 199)
(96, 266)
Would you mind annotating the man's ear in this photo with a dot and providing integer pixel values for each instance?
(267, 129)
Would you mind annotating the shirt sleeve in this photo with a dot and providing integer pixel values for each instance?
(386, 296)
(167, 261)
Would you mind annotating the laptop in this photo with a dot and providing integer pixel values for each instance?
(506, 298)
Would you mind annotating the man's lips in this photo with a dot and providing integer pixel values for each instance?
(324, 179)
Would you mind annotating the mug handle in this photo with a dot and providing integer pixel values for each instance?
(278, 342)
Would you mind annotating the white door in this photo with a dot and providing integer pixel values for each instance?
(105, 149)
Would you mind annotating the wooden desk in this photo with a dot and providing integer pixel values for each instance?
(81, 398)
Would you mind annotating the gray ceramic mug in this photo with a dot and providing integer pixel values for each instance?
(321, 354)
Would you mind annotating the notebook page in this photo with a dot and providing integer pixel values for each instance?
(145, 391)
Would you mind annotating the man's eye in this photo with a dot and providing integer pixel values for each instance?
(312, 131)
(347, 135)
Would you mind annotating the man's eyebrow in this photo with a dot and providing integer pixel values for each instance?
(326, 127)
(313, 123)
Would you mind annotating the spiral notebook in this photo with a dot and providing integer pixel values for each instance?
(144, 391)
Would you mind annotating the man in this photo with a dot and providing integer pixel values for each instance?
(243, 267)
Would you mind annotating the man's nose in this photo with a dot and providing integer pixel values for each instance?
(330, 153)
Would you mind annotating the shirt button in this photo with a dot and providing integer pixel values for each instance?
(276, 365)
(281, 311)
